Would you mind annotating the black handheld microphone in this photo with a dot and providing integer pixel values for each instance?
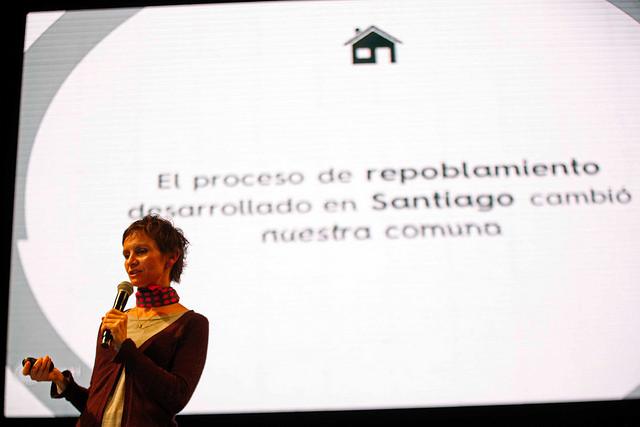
(124, 290)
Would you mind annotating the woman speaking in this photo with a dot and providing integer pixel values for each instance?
(157, 350)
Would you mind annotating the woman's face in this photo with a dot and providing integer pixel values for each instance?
(143, 261)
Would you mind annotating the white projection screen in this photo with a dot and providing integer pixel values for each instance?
(391, 204)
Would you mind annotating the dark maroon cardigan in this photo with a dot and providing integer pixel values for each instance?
(161, 375)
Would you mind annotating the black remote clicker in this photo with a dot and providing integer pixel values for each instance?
(33, 361)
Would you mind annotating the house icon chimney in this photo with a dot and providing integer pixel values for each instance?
(365, 43)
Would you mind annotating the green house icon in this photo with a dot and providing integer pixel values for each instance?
(365, 44)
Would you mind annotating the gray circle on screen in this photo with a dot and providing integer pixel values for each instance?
(47, 64)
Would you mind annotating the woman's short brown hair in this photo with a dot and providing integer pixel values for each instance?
(170, 240)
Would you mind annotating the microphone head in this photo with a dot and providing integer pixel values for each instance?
(126, 287)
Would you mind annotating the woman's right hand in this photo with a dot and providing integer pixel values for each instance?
(41, 371)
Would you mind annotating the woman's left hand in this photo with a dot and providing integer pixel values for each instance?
(116, 322)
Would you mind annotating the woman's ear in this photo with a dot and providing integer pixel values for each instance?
(171, 260)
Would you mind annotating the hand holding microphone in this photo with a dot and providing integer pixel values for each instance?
(114, 323)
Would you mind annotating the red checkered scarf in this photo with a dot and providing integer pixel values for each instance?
(156, 296)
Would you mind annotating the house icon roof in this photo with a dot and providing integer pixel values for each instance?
(372, 29)
(365, 43)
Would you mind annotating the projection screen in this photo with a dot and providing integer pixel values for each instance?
(390, 204)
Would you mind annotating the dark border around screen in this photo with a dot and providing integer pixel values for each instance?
(615, 412)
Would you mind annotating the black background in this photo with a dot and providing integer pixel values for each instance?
(607, 413)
